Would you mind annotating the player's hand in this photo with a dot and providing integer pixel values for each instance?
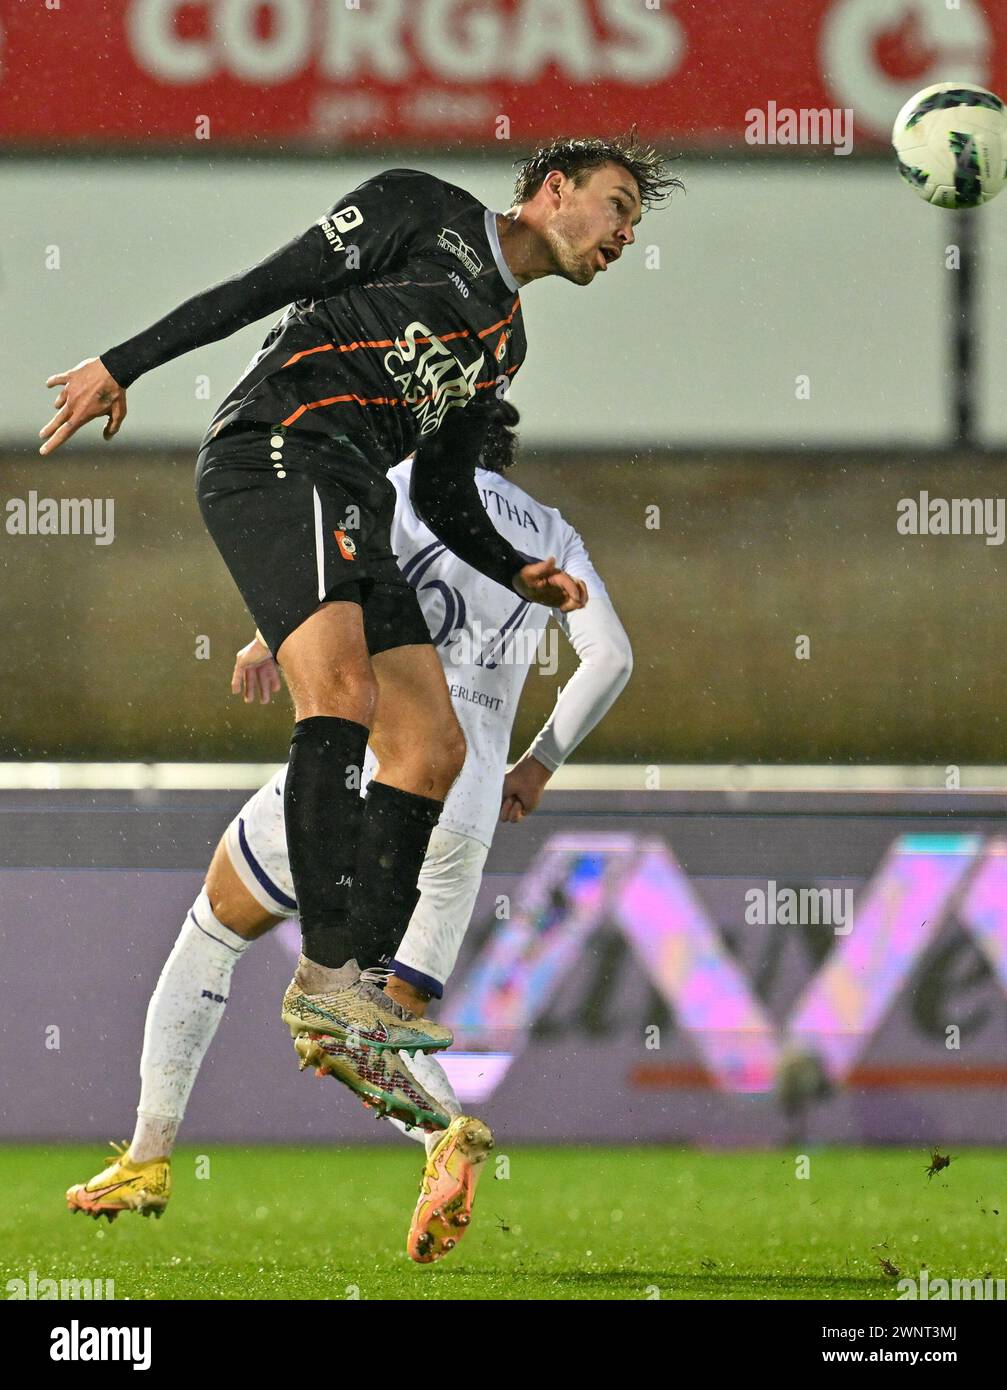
(255, 673)
(88, 391)
(542, 582)
(522, 789)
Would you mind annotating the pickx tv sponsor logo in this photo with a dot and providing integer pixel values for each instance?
(342, 221)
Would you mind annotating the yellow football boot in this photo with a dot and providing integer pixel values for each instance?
(360, 1013)
(382, 1080)
(448, 1189)
(123, 1185)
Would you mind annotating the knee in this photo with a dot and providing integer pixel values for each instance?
(327, 667)
(447, 760)
(426, 765)
(230, 901)
(354, 695)
(455, 749)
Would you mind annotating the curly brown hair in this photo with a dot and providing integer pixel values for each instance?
(578, 158)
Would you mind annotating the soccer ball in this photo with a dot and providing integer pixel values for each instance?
(951, 143)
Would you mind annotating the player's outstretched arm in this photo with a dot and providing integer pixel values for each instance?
(98, 385)
(375, 220)
(605, 664)
(444, 495)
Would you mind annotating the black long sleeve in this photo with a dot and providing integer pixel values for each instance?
(293, 272)
(377, 219)
(445, 497)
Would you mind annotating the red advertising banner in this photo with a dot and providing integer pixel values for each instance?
(461, 73)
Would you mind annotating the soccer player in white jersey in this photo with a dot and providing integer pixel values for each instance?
(487, 641)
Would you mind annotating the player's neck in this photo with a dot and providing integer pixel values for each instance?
(526, 252)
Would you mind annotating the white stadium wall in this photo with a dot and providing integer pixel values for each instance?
(757, 277)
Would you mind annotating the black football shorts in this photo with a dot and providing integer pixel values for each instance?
(300, 521)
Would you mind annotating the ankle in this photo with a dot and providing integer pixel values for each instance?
(321, 979)
(407, 995)
(154, 1137)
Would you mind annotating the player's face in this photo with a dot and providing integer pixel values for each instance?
(594, 223)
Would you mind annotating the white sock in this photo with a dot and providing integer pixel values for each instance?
(153, 1137)
(182, 1017)
(433, 1078)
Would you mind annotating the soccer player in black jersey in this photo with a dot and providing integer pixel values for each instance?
(401, 326)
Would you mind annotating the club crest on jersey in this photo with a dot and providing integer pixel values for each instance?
(500, 351)
(428, 374)
(347, 547)
(449, 240)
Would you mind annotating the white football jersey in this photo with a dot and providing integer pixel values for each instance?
(486, 637)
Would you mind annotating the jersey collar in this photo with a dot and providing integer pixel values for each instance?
(493, 237)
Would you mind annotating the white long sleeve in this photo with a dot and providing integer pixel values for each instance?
(606, 663)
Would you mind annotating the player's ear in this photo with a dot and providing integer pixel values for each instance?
(552, 185)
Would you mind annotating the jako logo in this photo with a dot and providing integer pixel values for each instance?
(459, 283)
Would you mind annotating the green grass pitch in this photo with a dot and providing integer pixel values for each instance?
(579, 1223)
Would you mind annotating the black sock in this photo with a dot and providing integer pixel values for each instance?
(323, 810)
(393, 840)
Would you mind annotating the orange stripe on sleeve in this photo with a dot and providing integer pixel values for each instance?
(379, 343)
(501, 323)
(485, 385)
(336, 400)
